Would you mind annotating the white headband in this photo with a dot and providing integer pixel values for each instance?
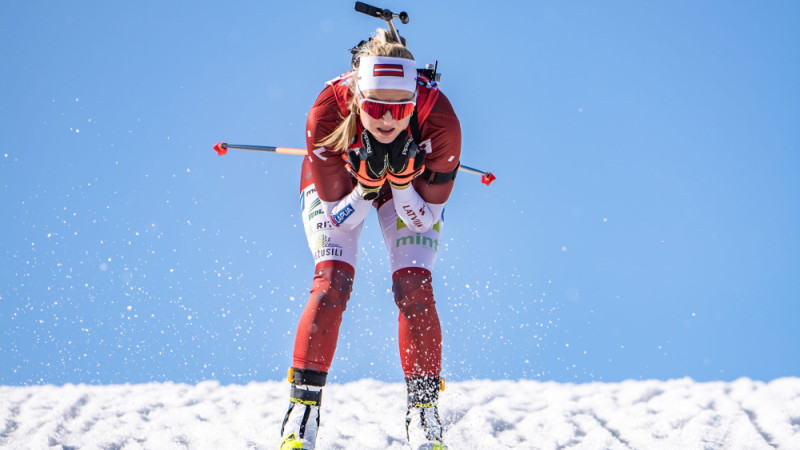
(387, 72)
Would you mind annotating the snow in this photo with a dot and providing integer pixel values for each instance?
(368, 414)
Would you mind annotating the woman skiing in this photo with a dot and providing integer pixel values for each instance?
(378, 136)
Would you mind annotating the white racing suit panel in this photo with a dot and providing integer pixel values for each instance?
(415, 212)
(407, 248)
(349, 212)
(325, 240)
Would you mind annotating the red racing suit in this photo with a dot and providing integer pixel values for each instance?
(439, 134)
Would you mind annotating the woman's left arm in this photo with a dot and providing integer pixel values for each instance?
(420, 205)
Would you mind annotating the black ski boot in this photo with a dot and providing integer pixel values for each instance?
(301, 424)
(423, 426)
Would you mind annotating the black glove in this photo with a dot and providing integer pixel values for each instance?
(368, 163)
(405, 160)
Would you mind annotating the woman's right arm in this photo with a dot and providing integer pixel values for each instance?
(342, 203)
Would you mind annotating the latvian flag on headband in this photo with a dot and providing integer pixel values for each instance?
(387, 70)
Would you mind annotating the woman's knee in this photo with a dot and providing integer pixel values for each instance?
(413, 291)
(333, 283)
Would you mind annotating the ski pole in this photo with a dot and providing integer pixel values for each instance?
(222, 148)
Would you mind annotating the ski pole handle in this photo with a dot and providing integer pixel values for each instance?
(222, 148)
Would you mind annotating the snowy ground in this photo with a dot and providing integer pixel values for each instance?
(676, 414)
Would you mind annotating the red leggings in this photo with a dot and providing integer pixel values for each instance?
(420, 334)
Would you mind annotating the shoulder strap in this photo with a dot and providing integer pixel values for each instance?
(427, 95)
(415, 131)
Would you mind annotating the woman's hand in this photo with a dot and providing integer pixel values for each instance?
(368, 163)
(405, 161)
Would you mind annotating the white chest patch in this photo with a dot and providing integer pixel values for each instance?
(427, 146)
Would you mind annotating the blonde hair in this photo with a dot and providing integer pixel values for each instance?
(381, 44)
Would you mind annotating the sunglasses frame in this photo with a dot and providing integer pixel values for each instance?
(383, 109)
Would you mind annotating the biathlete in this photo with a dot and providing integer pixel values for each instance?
(379, 136)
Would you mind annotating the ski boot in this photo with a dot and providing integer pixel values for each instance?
(301, 424)
(423, 426)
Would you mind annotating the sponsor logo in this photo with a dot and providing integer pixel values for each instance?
(319, 226)
(325, 247)
(328, 251)
(388, 70)
(400, 225)
(305, 194)
(342, 215)
(315, 206)
(315, 213)
(412, 215)
(420, 240)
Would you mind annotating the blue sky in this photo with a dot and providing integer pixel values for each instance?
(643, 223)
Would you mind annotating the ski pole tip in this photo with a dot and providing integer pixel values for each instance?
(487, 178)
(221, 148)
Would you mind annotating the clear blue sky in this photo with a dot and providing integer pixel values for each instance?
(644, 223)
